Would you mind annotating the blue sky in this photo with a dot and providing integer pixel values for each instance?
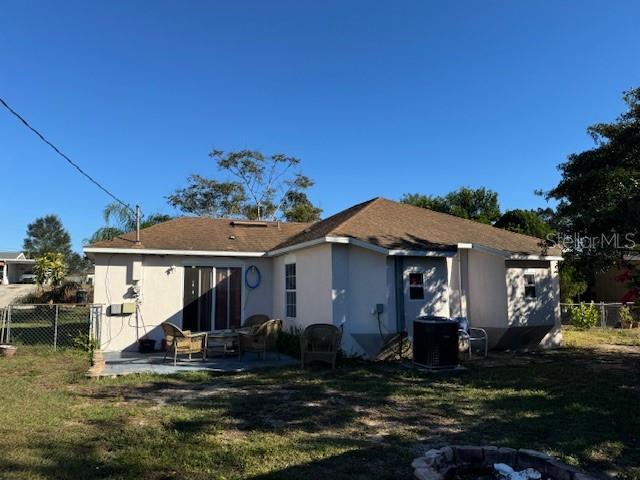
(376, 98)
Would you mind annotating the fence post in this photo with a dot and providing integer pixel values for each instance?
(7, 333)
(91, 320)
(603, 320)
(98, 332)
(55, 328)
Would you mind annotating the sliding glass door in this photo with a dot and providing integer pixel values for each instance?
(198, 297)
(228, 295)
(212, 298)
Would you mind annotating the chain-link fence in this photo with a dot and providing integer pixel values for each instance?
(609, 313)
(56, 325)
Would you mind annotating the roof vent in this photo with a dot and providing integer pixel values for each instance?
(248, 223)
(232, 237)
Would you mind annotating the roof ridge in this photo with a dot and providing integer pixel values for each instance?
(464, 220)
(363, 207)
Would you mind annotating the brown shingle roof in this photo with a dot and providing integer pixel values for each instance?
(394, 225)
(379, 221)
(208, 234)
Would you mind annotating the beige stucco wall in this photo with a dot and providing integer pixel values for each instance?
(363, 278)
(496, 299)
(313, 286)
(542, 310)
(162, 283)
(337, 284)
(368, 281)
(525, 311)
(487, 296)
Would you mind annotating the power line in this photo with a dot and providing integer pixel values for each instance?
(71, 162)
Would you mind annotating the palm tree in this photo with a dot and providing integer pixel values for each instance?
(120, 219)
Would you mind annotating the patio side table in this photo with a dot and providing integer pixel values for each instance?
(222, 341)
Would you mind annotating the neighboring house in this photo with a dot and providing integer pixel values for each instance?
(202, 274)
(611, 285)
(83, 278)
(15, 268)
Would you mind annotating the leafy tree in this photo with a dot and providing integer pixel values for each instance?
(78, 263)
(527, 222)
(121, 219)
(263, 187)
(47, 235)
(572, 282)
(50, 268)
(206, 197)
(298, 208)
(599, 192)
(431, 202)
(480, 204)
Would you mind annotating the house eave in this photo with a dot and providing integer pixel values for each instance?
(21, 261)
(312, 243)
(151, 251)
(362, 244)
(507, 255)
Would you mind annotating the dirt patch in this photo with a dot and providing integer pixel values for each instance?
(626, 349)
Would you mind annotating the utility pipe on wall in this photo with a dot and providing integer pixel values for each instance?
(137, 224)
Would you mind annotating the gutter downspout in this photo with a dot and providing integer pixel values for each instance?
(399, 270)
(460, 283)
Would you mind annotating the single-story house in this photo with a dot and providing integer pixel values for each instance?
(85, 277)
(15, 267)
(370, 270)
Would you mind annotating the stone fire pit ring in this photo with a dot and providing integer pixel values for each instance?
(444, 463)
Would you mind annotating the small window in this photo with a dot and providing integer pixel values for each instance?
(529, 286)
(416, 286)
(290, 289)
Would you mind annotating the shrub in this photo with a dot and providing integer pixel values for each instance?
(84, 342)
(584, 315)
(64, 293)
(289, 342)
(626, 318)
(49, 269)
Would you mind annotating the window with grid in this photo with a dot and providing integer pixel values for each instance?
(529, 286)
(416, 286)
(290, 289)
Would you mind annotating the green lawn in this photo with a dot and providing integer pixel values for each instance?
(602, 336)
(362, 421)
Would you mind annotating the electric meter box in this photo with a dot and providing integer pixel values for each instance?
(128, 308)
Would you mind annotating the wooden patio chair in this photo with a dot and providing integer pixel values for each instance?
(183, 342)
(321, 342)
(261, 339)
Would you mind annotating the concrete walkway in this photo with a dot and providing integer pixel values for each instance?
(126, 363)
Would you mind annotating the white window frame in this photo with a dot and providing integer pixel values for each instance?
(526, 285)
(424, 284)
(293, 290)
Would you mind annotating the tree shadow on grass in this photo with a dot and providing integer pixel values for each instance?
(361, 421)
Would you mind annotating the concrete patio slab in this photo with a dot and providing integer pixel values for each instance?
(127, 363)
